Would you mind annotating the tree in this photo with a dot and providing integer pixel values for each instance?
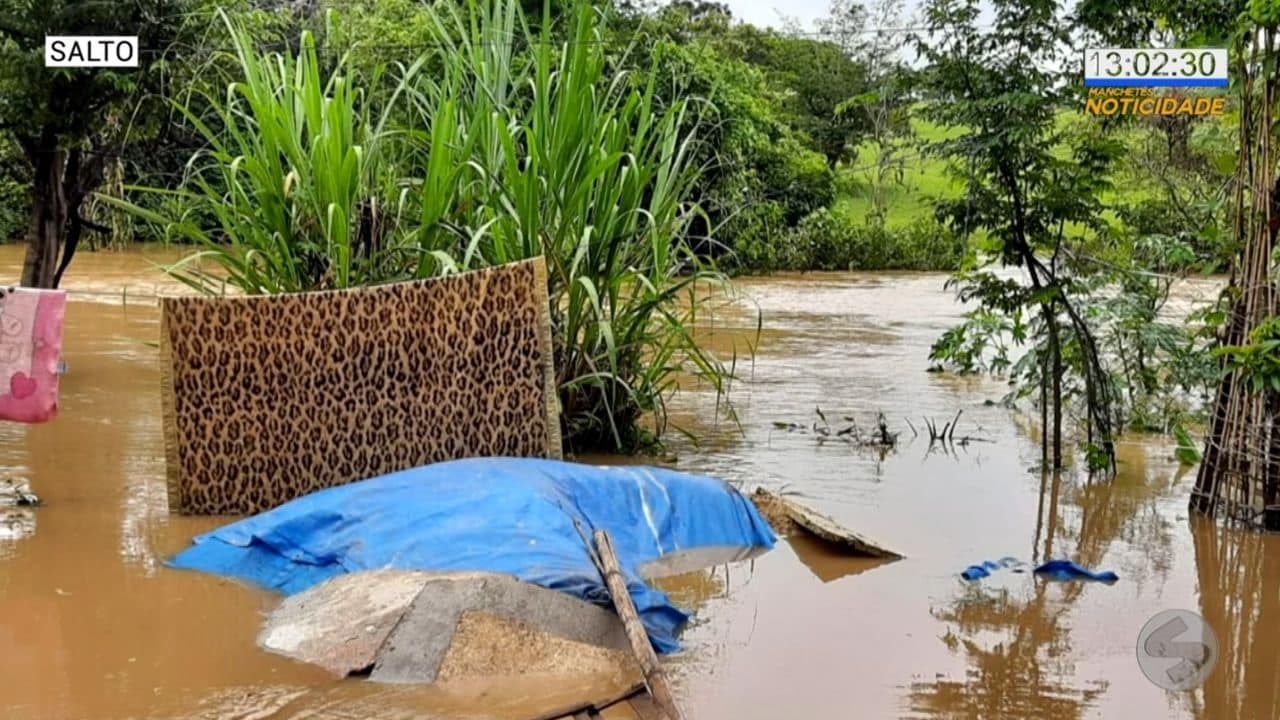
(812, 76)
(818, 76)
(68, 123)
(885, 107)
(1028, 180)
(845, 24)
(760, 176)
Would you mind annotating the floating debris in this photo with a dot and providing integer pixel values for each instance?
(788, 517)
(414, 626)
(17, 493)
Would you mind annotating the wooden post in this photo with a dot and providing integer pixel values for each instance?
(654, 677)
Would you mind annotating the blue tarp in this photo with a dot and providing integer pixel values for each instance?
(522, 517)
(1054, 569)
(1067, 570)
(985, 568)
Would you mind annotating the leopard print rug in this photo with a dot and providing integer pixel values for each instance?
(267, 398)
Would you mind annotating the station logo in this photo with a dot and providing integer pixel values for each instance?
(1145, 102)
(1155, 81)
(1177, 650)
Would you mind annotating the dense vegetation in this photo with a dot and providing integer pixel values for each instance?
(816, 147)
(646, 149)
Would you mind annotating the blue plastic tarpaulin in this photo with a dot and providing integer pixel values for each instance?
(524, 517)
(1067, 570)
(1064, 570)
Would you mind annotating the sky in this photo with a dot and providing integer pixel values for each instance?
(773, 13)
(766, 12)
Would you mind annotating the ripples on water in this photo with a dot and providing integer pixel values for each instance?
(93, 626)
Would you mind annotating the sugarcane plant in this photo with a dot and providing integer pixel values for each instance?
(516, 143)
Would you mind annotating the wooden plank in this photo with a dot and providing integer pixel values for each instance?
(821, 526)
(620, 711)
(645, 708)
(569, 711)
(654, 676)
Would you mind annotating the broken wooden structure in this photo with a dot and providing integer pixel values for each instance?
(424, 627)
(788, 517)
(654, 677)
(635, 702)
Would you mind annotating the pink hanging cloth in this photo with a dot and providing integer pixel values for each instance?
(30, 348)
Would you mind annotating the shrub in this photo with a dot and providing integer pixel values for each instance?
(825, 240)
(760, 176)
(14, 200)
(13, 208)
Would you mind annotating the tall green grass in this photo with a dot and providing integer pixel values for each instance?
(515, 144)
(534, 146)
(286, 196)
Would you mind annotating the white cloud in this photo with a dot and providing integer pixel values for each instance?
(772, 13)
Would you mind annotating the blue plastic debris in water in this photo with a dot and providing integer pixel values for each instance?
(976, 572)
(529, 518)
(1067, 570)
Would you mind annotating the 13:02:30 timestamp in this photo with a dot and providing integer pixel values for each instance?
(1161, 66)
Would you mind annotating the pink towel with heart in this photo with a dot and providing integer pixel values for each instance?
(30, 346)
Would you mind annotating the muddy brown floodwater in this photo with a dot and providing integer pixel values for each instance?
(92, 625)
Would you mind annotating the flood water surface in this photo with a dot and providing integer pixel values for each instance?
(92, 625)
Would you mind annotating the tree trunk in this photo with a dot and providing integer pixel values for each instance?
(1044, 412)
(48, 215)
(1055, 377)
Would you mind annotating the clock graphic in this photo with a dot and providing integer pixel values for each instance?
(1156, 67)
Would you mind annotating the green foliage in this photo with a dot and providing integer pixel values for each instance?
(1258, 361)
(507, 156)
(1265, 13)
(1188, 450)
(1196, 230)
(14, 210)
(818, 78)
(1028, 179)
(983, 343)
(591, 168)
(826, 240)
(62, 120)
(1160, 367)
(196, 72)
(1169, 23)
(289, 177)
(759, 178)
(372, 32)
(71, 103)
(1160, 370)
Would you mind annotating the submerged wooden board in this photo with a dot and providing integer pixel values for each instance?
(267, 398)
(636, 702)
(787, 516)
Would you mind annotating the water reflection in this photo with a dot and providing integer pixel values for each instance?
(1239, 574)
(827, 562)
(15, 523)
(1016, 633)
(1018, 649)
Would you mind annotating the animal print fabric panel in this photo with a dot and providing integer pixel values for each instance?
(270, 397)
